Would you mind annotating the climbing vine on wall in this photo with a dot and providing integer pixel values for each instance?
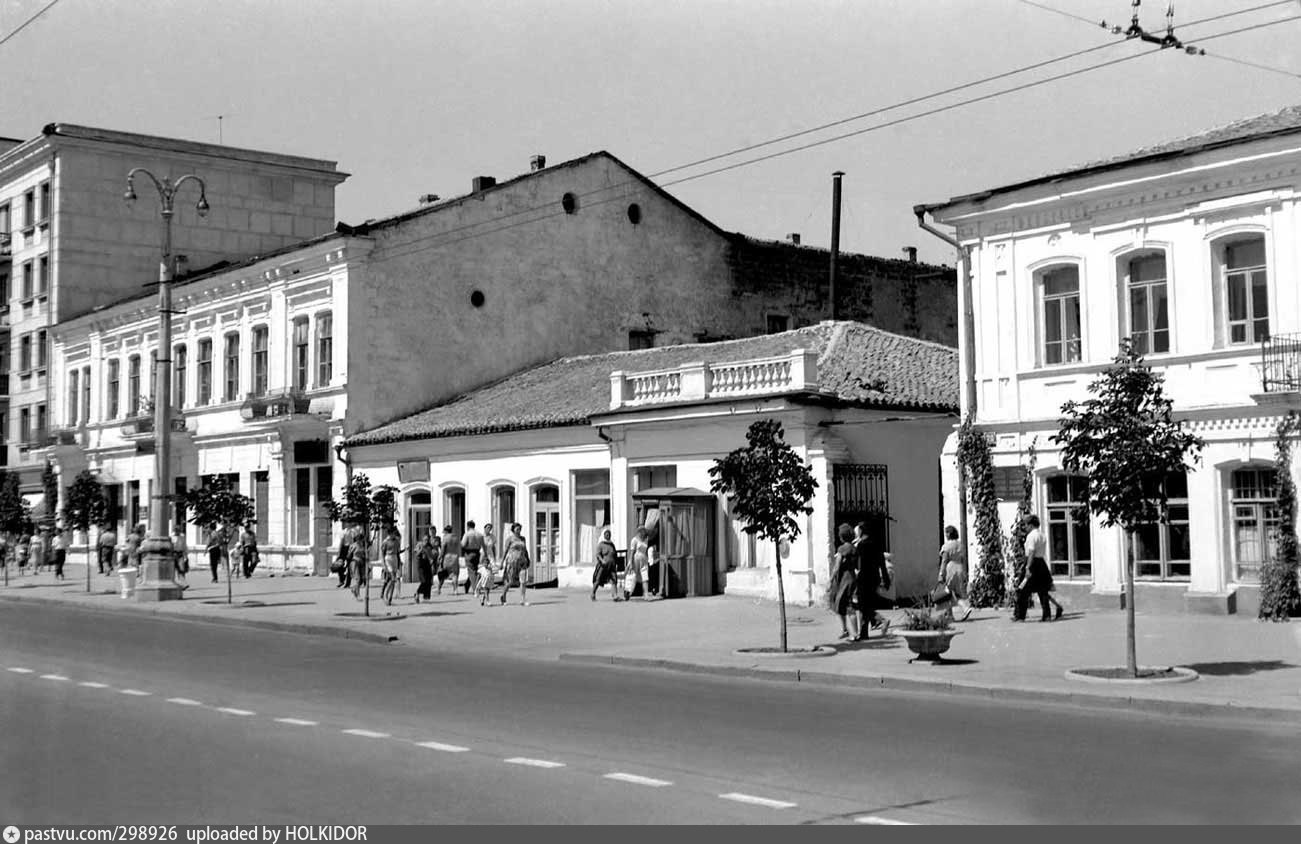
(987, 579)
(1279, 594)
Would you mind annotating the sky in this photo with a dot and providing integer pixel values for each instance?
(419, 96)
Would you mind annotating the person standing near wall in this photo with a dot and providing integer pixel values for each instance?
(472, 551)
(605, 566)
(216, 546)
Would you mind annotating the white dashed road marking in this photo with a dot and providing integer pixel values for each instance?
(757, 801)
(534, 763)
(22, 670)
(446, 748)
(184, 701)
(366, 733)
(58, 677)
(880, 821)
(232, 711)
(638, 780)
(297, 722)
(88, 684)
(136, 693)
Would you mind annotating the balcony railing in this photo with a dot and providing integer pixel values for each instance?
(1280, 363)
(793, 372)
(274, 405)
(142, 425)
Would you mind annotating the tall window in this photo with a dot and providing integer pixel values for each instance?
(260, 360)
(85, 394)
(25, 353)
(42, 275)
(29, 208)
(324, 349)
(231, 368)
(591, 512)
(1060, 288)
(74, 393)
(454, 509)
(1164, 551)
(42, 348)
(204, 388)
(1246, 290)
(114, 387)
(1070, 551)
(1254, 507)
(42, 420)
(180, 359)
(302, 506)
(44, 213)
(25, 425)
(1147, 304)
(27, 280)
(133, 385)
(301, 353)
(151, 386)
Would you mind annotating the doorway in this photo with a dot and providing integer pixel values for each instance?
(546, 534)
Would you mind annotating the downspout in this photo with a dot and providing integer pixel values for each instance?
(966, 346)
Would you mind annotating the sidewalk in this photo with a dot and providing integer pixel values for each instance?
(1248, 669)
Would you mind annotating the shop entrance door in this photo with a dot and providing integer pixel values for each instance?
(546, 535)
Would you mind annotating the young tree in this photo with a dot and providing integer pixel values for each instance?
(1279, 594)
(767, 485)
(15, 512)
(988, 584)
(50, 485)
(85, 505)
(372, 510)
(216, 506)
(1126, 441)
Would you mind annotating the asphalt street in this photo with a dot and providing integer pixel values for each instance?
(113, 718)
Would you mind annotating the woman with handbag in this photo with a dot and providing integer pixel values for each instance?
(953, 573)
(844, 582)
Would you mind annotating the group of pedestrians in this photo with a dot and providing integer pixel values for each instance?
(40, 549)
(636, 566)
(442, 559)
(219, 549)
(859, 571)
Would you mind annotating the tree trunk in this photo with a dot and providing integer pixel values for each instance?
(92, 550)
(1131, 653)
(365, 574)
(781, 593)
(225, 553)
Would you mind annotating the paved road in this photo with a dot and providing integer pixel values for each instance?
(113, 718)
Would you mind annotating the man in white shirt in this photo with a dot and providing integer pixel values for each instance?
(1038, 579)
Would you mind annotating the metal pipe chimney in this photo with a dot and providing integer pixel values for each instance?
(835, 237)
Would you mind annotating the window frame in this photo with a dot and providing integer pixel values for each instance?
(1163, 562)
(230, 352)
(1068, 512)
(260, 351)
(1267, 521)
(324, 348)
(1060, 302)
(1149, 287)
(74, 396)
(133, 393)
(1224, 276)
(180, 361)
(203, 372)
(300, 358)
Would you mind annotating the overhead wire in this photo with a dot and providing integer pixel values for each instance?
(27, 22)
(443, 238)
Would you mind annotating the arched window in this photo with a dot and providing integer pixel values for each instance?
(1070, 549)
(1146, 301)
(1164, 551)
(1059, 325)
(1253, 508)
(1241, 305)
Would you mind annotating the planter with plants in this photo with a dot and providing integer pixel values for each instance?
(928, 632)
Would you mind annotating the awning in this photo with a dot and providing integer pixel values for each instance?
(672, 492)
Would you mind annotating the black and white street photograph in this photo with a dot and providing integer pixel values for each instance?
(589, 413)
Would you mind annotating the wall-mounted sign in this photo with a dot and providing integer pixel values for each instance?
(413, 470)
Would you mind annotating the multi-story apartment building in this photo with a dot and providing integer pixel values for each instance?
(1191, 249)
(279, 358)
(68, 244)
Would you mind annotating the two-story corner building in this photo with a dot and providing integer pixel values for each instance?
(259, 387)
(601, 441)
(1192, 249)
(69, 244)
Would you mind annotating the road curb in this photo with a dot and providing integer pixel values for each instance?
(226, 621)
(1017, 694)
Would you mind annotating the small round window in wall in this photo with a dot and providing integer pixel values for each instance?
(634, 213)
(476, 298)
(569, 202)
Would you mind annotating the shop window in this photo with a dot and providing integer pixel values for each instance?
(1255, 516)
(1070, 548)
(591, 512)
(1164, 551)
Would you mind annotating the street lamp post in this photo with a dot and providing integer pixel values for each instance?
(158, 580)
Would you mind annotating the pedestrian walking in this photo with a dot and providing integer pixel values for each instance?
(134, 539)
(953, 571)
(1038, 578)
(605, 566)
(427, 554)
(216, 549)
(472, 553)
(248, 552)
(357, 559)
(450, 564)
(873, 575)
(844, 582)
(391, 554)
(638, 561)
(490, 557)
(39, 547)
(105, 546)
(341, 565)
(60, 553)
(515, 556)
(23, 552)
(180, 556)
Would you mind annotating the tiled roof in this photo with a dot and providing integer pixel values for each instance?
(1283, 122)
(857, 364)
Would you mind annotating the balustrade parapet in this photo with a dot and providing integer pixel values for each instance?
(796, 371)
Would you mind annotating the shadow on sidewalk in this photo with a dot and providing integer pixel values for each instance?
(434, 614)
(45, 585)
(257, 604)
(1238, 669)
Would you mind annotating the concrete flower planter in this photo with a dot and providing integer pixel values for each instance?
(927, 644)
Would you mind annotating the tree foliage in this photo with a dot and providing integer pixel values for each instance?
(85, 503)
(1015, 551)
(216, 504)
(1279, 594)
(50, 484)
(1126, 441)
(15, 512)
(767, 485)
(988, 584)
